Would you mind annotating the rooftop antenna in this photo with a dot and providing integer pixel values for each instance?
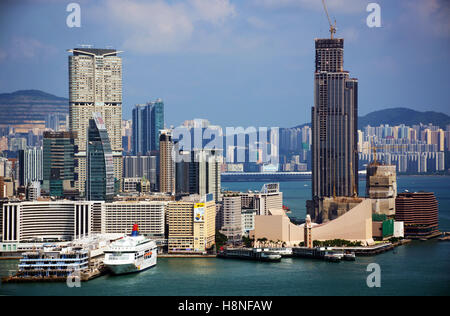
(332, 27)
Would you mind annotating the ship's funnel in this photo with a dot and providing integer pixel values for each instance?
(135, 231)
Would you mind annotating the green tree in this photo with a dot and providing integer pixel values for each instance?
(221, 240)
(247, 241)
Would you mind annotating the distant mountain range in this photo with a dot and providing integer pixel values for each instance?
(397, 116)
(27, 109)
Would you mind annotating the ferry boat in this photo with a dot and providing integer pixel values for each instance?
(349, 256)
(131, 254)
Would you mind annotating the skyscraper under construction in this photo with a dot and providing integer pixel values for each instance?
(334, 127)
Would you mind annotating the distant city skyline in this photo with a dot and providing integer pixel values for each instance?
(238, 63)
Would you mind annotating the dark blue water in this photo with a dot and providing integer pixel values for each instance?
(419, 268)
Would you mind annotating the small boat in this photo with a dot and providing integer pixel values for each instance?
(349, 256)
(332, 258)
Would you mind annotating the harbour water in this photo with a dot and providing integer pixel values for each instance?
(419, 268)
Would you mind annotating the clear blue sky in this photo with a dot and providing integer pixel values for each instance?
(234, 62)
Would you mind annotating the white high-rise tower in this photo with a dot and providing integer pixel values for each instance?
(95, 86)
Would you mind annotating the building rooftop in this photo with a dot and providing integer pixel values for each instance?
(94, 51)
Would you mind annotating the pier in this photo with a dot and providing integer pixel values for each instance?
(84, 276)
(257, 254)
(322, 253)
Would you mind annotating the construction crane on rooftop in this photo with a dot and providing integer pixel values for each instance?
(332, 27)
(374, 149)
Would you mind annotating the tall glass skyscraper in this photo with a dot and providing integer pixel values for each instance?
(334, 125)
(148, 121)
(58, 162)
(100, 167)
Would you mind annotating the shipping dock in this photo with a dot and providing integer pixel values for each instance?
(257, 254)
(322, 253)
(82, 259)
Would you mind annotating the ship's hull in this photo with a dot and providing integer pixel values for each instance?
(131, 267)
(127, 268)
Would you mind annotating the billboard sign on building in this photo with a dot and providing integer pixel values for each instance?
(199, 212)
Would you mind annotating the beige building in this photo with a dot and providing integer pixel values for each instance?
(65, 220)
(95, 85)
(191, 225)
(47, 220)
(119, 217)
(7, 186)
(231, 216)
(269, 198)
(354, 225)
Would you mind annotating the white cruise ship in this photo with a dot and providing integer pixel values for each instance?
(131, 254)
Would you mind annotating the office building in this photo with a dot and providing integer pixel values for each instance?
(191, 225)
(6, 167)
(136, 185)
(127, 133)
(100, 182)
(17, 143)
(198, 172)
(7, 187)
(231, 217)
(166, 163)
(334, 126)
(52, 121)
(33, 191)
(263, 201)
(58, 162)
(419, 212)
(142, 167)
(95, 86)
(46, 220)
(30, 165)
(119, 217)
(148, 122)
(248, 221)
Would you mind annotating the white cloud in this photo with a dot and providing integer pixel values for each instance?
(431, 16)
(24, 48)
(350, 34)
(159, 26)
(214, 11)
(334, 6)
(258, 23)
